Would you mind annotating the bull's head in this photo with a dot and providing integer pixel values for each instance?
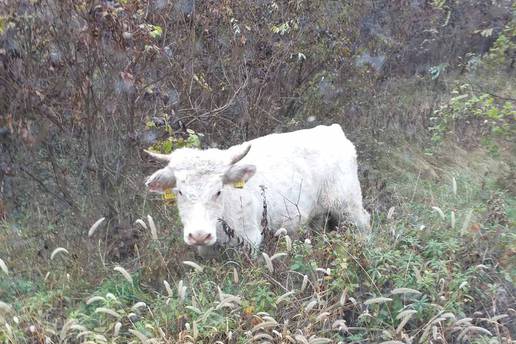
(198, 178)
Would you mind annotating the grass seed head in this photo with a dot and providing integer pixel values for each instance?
(139, 335)
(301, 339)
(439, 211)
(375, 300)
(390, 213)
(405, 316)
(94, 299)
(405, 313)
(405, 291)
(268, 262)
(117, 328)
(476, 329)
(152, 225)
(77, 327)
(84, 334)
(124, 273)
(278, 255)
(288, 242)
(448, 315)
(94, 227)
(8, 330)
(262, 336)
(322, 316)
(467, 220)
(3, 267)
(65, 328)
(277, 334)
(195, 330)
(141, 223)
(284, 297)
(498, 317)
(269, 318)
(464, 321)
(194, 309)
(5, 307)
(168, 289)
(318, 340)
(264, 325)
(340, 325)
(181, 291)
(109, 311)
(305, 283)
(100, 338)
(343, 297)
(139, 305)
(324, 271)
(236, 279)
(281, 231)
(57, 251)
(194, 265)
(230, 301)
(310, 305)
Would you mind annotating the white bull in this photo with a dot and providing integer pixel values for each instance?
(303, 174)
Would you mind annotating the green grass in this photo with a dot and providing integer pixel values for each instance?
(421, 277)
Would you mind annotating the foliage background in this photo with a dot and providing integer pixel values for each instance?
(87, 85)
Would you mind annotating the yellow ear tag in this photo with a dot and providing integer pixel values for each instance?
(239, 184)
(168, 196)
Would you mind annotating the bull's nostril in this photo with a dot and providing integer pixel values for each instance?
(199, 238)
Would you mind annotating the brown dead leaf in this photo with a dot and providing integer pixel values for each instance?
(474, 228)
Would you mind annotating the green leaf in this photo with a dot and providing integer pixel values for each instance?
(2, 24)
(166, 147)
(156, 31)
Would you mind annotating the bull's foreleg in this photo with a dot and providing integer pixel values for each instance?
(252, 235)
(208, 252)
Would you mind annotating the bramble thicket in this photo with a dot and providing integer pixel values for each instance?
(425, 90)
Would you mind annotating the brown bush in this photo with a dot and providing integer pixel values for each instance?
(81, 80)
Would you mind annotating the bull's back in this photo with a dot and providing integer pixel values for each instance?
(316, 148)
(295, 166)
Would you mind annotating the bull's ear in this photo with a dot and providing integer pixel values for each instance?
(161, 180)
(239, 173)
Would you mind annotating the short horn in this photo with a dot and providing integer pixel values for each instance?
(239, 156)
(158, 156)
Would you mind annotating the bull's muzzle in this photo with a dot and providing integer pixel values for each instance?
(200, 239)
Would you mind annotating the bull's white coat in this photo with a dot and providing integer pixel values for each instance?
(305, 173)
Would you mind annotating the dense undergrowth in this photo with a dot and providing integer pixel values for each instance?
(439, 267)
(425, 89)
